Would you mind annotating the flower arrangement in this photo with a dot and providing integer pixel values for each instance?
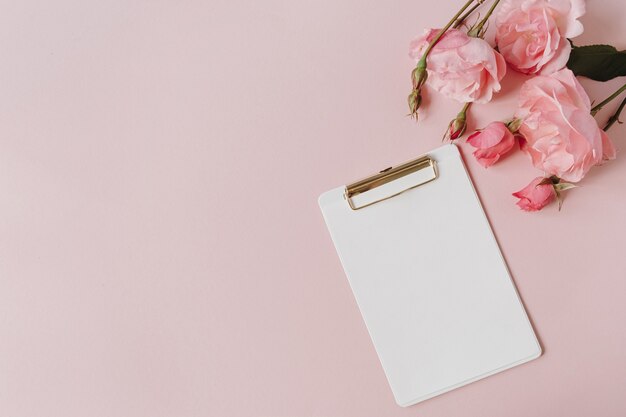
(554, 123)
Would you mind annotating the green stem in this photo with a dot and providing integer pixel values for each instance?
(599, 106)
(442, 31)
(476, 31)
(465, 107)
(615, 117)
(462, 19)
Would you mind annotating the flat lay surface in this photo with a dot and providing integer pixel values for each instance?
(162, 252)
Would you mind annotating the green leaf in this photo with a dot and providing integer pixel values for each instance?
(564, 186)
(559, 198)
(598, 62)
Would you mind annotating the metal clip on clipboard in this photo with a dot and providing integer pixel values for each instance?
(423, 164)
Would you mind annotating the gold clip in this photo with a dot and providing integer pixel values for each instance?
(390, 174)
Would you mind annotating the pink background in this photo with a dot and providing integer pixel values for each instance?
(161, 248)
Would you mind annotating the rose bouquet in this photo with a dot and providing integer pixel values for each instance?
(554, 123)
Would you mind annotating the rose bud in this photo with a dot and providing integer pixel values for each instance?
(415, 100)
(419, 75)
(418, 78)
(491, 142)
(535, 195)
(457, 126)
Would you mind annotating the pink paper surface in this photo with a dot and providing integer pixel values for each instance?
(161, 248)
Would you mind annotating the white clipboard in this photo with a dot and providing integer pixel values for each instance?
(428, 276)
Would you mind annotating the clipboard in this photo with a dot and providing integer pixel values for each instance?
(428, 276)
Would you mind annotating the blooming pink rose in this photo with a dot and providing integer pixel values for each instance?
(532, 34)
(534, 197)
(491, 142)
(561, 136)
(461, 67)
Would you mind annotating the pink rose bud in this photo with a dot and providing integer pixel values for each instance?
(535, 195)
(457, 127)
(491, 142)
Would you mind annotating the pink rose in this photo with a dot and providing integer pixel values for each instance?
(561, 136)
(460, 67)
(491, 142)
(532, 34)
(534, 197)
